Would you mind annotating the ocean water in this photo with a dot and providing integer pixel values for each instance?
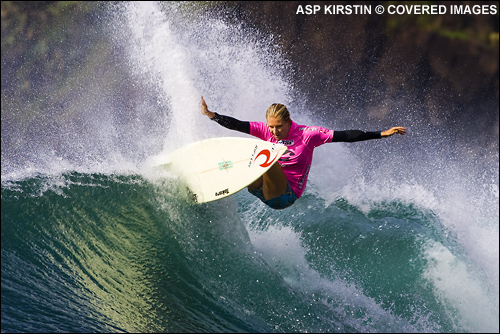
(390, 236)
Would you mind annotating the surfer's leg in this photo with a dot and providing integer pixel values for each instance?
(278, 203)
(256, 184)
(273, 188)
(274, 182)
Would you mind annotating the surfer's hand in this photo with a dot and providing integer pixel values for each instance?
(204, 109)
(393, 130)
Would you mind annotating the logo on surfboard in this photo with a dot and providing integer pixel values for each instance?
(225, 165)
(267, 154)
(222, 192)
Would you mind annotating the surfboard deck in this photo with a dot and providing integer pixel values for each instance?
(216, 168)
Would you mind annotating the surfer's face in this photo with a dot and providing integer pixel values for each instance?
(279, 129)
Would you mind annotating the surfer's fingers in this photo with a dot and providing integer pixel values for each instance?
(203, 106)
(398, 129)
(401, 130)
(395, 129)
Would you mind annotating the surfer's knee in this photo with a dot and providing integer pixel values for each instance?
(274, 182)
(256, 184)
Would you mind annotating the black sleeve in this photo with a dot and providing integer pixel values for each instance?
(232, 123)
(354, 135)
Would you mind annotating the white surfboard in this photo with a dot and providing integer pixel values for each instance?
(219, 167)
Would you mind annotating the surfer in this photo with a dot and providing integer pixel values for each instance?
(286, 181)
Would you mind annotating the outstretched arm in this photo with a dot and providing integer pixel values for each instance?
(357, 135)
(226, 121)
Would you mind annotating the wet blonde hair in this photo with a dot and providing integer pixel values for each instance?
(279, 111)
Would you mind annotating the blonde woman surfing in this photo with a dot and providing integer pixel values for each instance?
(286, 180)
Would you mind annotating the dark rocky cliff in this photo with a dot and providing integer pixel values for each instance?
(372, 62)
